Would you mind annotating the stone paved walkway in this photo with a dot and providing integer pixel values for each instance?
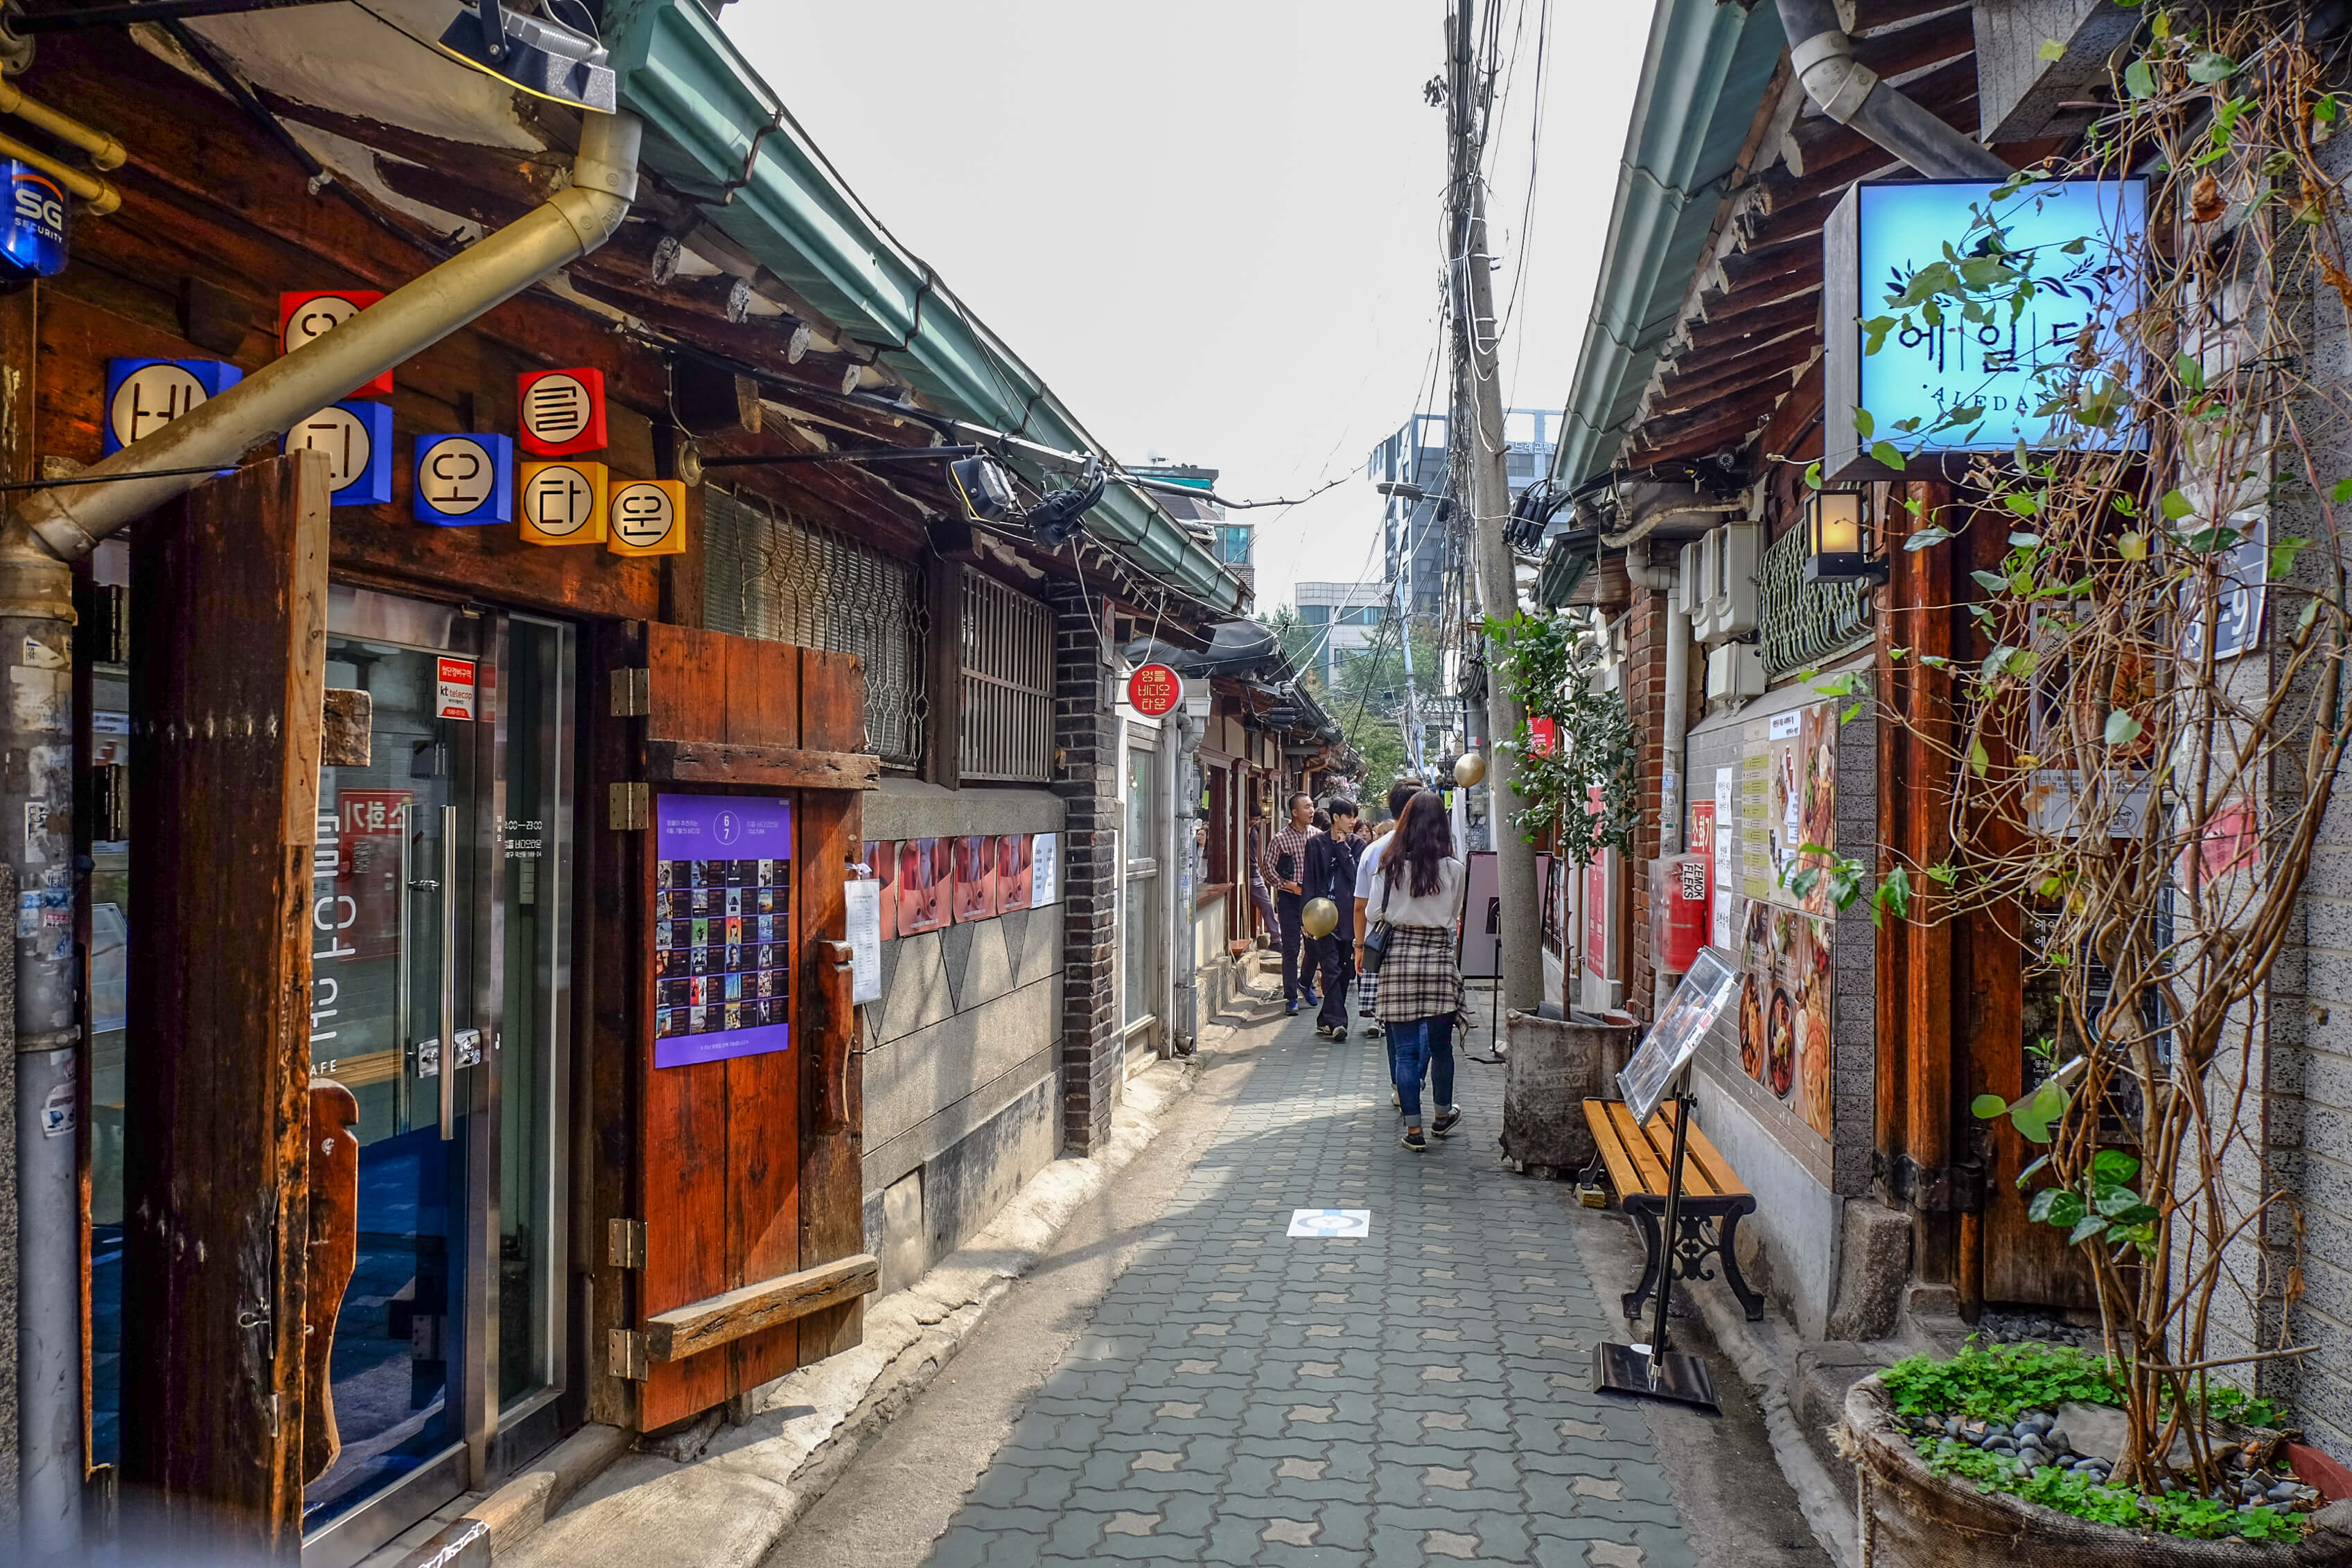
(1422, 1395)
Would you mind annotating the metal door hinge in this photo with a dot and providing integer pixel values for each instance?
(627, 1352)
(632, 806)
(632, 694)
(625, 1243)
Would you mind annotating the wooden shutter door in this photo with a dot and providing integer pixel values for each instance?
(229, 594)
(753, 1260)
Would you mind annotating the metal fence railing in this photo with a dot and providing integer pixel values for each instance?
(1804, 623)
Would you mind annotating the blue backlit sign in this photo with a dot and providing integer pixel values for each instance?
(2075, 241)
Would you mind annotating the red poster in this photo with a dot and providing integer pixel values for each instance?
(374, 825)
(1596, 900)
(882, 865)
(925, 876)
(1702, 829)
(1014, 881)
(975, 877)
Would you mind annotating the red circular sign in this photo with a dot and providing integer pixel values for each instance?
(1154, 690)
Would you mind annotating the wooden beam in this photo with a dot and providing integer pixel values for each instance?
(1728, 321)
(725, 1318)
(769, 767)
(1898, 51)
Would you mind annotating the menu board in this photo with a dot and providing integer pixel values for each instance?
(1785, 797)
(722, 927)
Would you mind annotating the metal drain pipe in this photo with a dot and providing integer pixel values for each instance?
(38, 543)
(1852, 94)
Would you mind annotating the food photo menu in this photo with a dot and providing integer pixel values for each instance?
(722, 927)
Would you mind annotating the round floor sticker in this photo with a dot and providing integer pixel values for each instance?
(1330, 1222)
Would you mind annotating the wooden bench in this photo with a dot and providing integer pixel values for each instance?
(1714, 1200)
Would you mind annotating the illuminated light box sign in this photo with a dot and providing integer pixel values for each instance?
(357, 439)
(564, 503)
(464, 481)
(722, 927)
(1875, 242)
(303, 316)
(649, 517)
(142, 396)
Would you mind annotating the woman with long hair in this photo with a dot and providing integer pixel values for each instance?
(1418, 892)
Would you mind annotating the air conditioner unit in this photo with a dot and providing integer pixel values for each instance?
(1735, 672)
(1690, 592)
(1732, 606)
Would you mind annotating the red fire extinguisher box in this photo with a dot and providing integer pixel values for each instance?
(1681, 891)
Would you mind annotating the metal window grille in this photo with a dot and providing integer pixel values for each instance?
(1805, 622)
(1006, 726)
(766, 574)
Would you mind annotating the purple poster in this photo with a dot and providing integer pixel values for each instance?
(722, 927)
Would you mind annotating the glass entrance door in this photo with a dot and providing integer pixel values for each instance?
(439, 968)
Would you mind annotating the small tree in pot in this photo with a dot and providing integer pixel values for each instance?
(2142, 773)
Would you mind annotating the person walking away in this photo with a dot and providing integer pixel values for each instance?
(1419, 892)
(1285, 866)
(1367, 865)
(1331, 873)
(1260, 899)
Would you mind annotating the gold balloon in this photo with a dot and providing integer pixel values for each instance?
(1469, 768)
(1319, 918)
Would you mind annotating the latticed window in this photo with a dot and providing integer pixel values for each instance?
(1006, 727)
(766, 574)
(1805, 623)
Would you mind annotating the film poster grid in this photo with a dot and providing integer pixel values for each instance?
(721, 927)
(928, 883)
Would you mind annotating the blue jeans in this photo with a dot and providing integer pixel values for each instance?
(1424, 1048)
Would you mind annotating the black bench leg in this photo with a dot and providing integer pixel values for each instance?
(1646, 1222)
(1727, 1250)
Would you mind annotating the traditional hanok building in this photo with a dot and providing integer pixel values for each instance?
(1841, 1093)
(537, 901)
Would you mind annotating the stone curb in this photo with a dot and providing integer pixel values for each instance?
(1764, 1359)
(724, 1500)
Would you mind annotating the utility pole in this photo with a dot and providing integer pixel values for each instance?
(1478, 413)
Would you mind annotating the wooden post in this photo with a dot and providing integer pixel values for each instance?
(226, 694)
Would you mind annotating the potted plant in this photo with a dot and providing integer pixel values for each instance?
(2141, 773)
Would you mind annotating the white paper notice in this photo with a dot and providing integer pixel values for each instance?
(1045, 869)
(864, 930)
(1721, 913)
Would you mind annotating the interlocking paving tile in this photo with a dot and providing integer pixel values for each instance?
(1419, 1396)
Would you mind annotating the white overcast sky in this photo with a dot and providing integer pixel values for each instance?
(1215, 229)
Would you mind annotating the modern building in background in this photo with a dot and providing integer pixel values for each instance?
(1412, 535)
(1234, 544)
(1345, 617)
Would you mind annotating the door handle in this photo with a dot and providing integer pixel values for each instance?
(448, 972)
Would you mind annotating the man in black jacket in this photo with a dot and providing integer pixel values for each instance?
(1331, 873)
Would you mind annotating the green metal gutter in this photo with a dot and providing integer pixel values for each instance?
(1703, 79)
(714, 129)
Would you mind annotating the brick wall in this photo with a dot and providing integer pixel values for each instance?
(1645, 701)
(1085, 740)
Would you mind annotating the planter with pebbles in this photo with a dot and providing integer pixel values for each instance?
(1919, 1511)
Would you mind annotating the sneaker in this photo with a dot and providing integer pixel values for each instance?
(1446, 1121)
(1290, 1010)
(1336, 1032)
(1395, 1099)
(1374, 1032)
(1415, 1142)
(1313, 1000)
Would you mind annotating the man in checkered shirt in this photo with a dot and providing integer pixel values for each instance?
(1282, 866)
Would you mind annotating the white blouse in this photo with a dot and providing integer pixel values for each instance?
(1441, 908)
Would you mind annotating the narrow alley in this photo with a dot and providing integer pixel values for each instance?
(1234, 1394)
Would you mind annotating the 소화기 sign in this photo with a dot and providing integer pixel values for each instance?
(722, 927)
(2073, 240)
